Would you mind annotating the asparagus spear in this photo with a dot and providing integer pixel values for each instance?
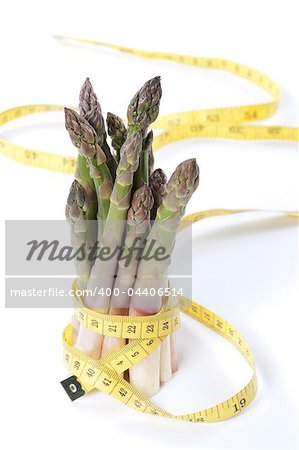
(118, 133)
(90, 161)
(82, 174)
(119, 205)
(137, 230)
(142, 111)
(76, 212)
(179, 189)
(78, 209)
(103, 272)
(144, 106)
(83, 177)
(90, 110)
(84, 137)
(157, 184)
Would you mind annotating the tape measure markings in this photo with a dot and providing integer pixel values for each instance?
(104, 374)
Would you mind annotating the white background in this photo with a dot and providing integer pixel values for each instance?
(245, 267)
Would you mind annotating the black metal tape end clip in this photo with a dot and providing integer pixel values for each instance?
(73, 388)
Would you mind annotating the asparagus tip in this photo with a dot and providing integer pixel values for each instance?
(144, 106)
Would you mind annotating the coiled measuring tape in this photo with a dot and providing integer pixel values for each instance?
(228, 122)
(147, 333)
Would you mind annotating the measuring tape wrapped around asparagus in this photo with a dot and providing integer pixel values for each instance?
(133, 206)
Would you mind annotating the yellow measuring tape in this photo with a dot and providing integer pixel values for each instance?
(225, 122)
(148, 332)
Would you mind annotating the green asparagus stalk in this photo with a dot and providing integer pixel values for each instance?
(179, 190)
(84, 138)
(118, 133)
(142, 111)
(137, 229)
(83, 177)
(151, 274)
(103, 272)
(142, 174)
(90, 110)
(129, 160)
(76, 212)
(157, 184)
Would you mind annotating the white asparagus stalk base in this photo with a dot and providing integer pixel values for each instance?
(172, 338)
(173, 352)
(89, 342)
(165, 361)
(150, 383)
(146, 374)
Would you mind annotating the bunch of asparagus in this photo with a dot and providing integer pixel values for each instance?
(132, 205)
